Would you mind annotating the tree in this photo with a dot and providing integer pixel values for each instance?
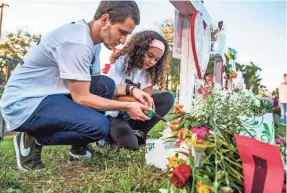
(17, 44)
(252, 77)
(166, 28)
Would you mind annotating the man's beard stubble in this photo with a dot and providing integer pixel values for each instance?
(107, 37)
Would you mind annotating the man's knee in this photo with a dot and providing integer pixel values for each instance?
(98, 128)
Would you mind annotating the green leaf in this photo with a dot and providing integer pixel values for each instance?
(208, 168)
(204, 180)
(209, 174)
(181, 125)
(195, 124)
(187, 124)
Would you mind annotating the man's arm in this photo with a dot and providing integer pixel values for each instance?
(80, 94)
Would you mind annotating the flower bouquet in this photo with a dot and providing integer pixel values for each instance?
(208, 159)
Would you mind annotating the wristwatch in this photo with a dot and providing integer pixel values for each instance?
(128, 89)
(129, 92)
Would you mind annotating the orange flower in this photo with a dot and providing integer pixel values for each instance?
(174, 124)
(181, 134)
(177, 121)
(173, 127)
(233, 74)
(178, 109)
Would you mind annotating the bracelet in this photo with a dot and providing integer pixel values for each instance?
(128, 89)
(133, 87)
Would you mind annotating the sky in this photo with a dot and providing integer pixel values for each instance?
(256, 29)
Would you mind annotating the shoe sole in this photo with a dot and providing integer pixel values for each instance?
(17, 150)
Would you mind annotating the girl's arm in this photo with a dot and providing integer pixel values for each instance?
(132, 99)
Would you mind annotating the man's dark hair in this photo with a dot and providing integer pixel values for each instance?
(285, 75)
(118, 11)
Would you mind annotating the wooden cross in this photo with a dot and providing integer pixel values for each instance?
(192, 45)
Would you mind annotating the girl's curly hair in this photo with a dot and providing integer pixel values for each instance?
(136, 49)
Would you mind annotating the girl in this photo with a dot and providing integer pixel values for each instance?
(143, 63)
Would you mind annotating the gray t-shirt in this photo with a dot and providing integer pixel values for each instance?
(63, 54)
(96, 65)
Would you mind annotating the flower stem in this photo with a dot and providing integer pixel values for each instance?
(215, 185)
(193, 180)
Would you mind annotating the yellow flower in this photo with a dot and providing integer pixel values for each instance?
(198, 145)
(202, 188)
(172, 162)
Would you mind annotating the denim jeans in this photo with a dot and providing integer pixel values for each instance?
(58, 120)
(130, 134)
(284, 106)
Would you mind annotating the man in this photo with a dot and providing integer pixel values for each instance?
(51, 97)
(283, 99)
(96, 66)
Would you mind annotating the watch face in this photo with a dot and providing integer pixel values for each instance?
(128, 81)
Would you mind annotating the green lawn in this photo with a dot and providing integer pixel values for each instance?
(124, 172)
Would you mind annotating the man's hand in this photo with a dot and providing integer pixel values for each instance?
(136, 111)
(143, 97)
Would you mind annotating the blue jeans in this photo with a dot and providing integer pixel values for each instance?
(284, 106)
(58, 120)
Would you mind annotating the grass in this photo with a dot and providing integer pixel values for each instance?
(280, 129)
(125, 172)
(157, 129)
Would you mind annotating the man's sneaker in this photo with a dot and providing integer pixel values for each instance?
(28, 153)
(102, 143)
(77, 153)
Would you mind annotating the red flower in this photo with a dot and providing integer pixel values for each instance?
(106, 69)
(180, 175)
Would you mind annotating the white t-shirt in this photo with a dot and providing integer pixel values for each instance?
(283, 93)
(65, 53)
(137, 76)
